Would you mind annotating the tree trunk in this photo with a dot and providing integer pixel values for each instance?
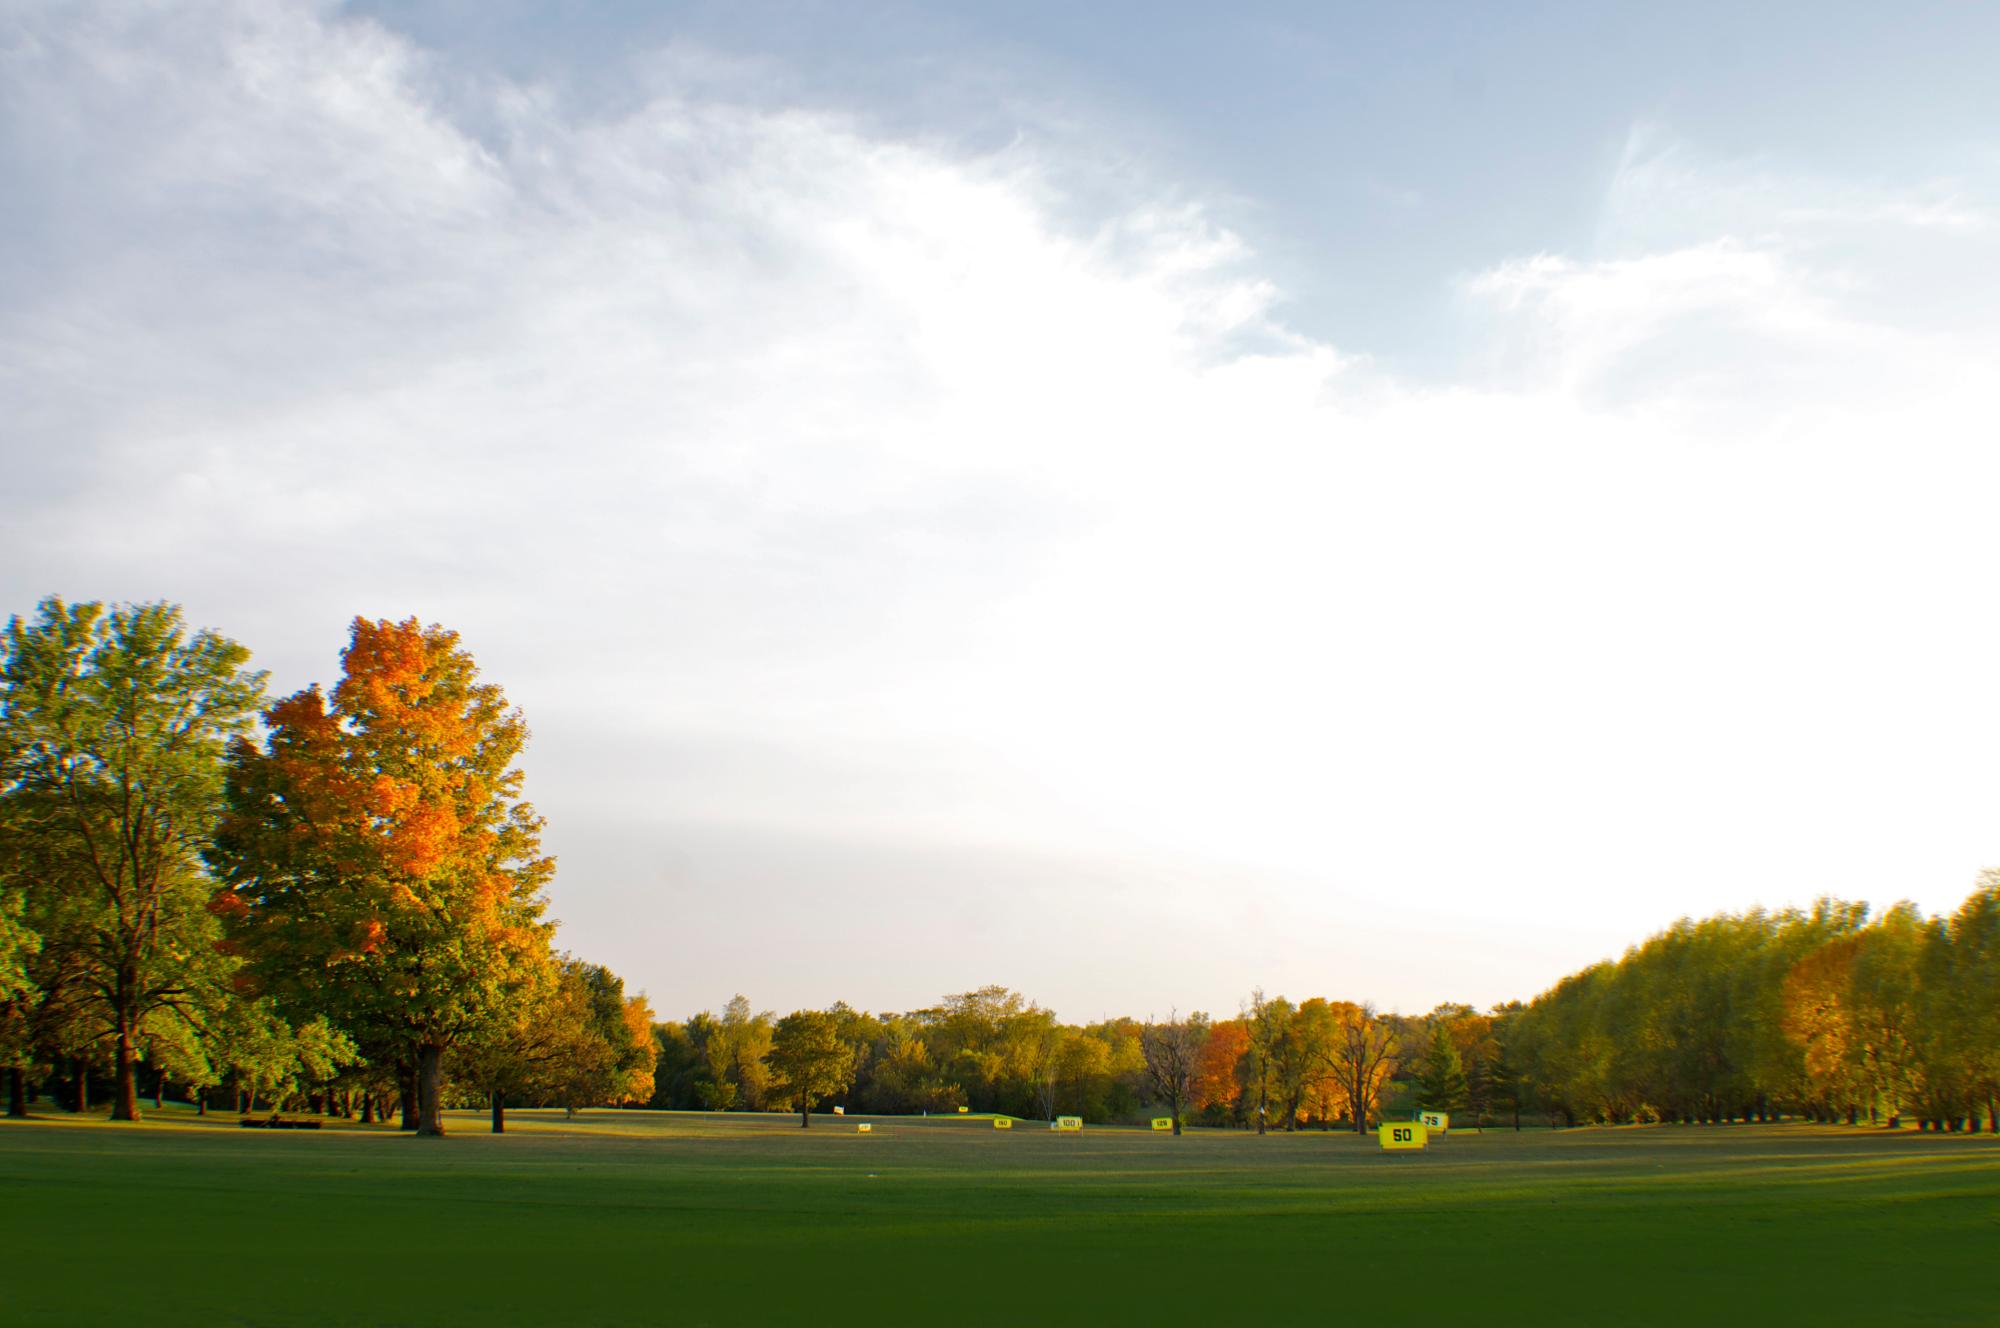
(17, 1092)
(159, 1090)
(499, 1113)
(406, 1076)
(430, 1090)
(368, 1107)
(806, 1116)
(82, 1087)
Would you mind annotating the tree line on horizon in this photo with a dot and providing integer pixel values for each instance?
(335, 902)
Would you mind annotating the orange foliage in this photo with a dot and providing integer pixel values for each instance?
(1215, 1082)
(392, 807)
(1818, 1018)
(638, 1086)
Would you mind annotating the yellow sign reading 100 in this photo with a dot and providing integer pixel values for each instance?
(1403, 1134)
(1067, 1124)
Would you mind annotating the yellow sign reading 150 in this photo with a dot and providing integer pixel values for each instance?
(1403, 1134)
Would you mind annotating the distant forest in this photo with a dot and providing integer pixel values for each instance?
(333, 903)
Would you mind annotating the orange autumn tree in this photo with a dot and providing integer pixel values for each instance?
(1216, 1081)
(379, 865)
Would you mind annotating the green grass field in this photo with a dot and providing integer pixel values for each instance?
(639, 1217)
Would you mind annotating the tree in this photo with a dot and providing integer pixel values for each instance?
(112, 730)
(809, 1061)
(18, 991)
(1173, 1059)
(613, 1057)
(1975, 931)
(1217, 1087)
(1820, 1019)
(1506, 1087)
(250, 1045)
(1441, 1082)
(380, 866)
(547, 1034)
(1362, 1054)
(746, 1041)
(1264, 1021)
(17, 945)
(712, 1085)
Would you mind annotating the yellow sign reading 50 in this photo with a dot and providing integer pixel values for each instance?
(1403, 1134)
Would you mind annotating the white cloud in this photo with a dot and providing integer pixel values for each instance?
(846, 515)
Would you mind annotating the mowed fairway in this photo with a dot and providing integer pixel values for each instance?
(640, 1217)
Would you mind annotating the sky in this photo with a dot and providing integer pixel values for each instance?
(1133, 503)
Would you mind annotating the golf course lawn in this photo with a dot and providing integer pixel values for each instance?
(687, 1219)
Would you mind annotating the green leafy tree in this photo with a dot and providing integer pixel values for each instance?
(1975, 994)
(809, 1061)
(19, 992)
(250, 1045)
(612, 1052)
(113, 724)
(18, 944)
(746, 1041)
(713, 1086)
(677, 1068)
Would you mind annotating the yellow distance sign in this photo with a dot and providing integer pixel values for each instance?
(1067, 1124)
(864, 1128)
(1002, 1123)
(1435, 1120)
(1397, 1135)
(963, 1110)
(1163, 1122)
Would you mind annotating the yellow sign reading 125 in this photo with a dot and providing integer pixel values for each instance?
(1002, 1123)
(1163, 1122)
(1403, 1134)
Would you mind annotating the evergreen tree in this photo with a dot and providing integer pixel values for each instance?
(1441, 1082)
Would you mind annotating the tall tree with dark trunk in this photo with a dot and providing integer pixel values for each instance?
(112, 729)
(1173, 1059)
(1362, 1053)
(380, 866)
(1265, 1021)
